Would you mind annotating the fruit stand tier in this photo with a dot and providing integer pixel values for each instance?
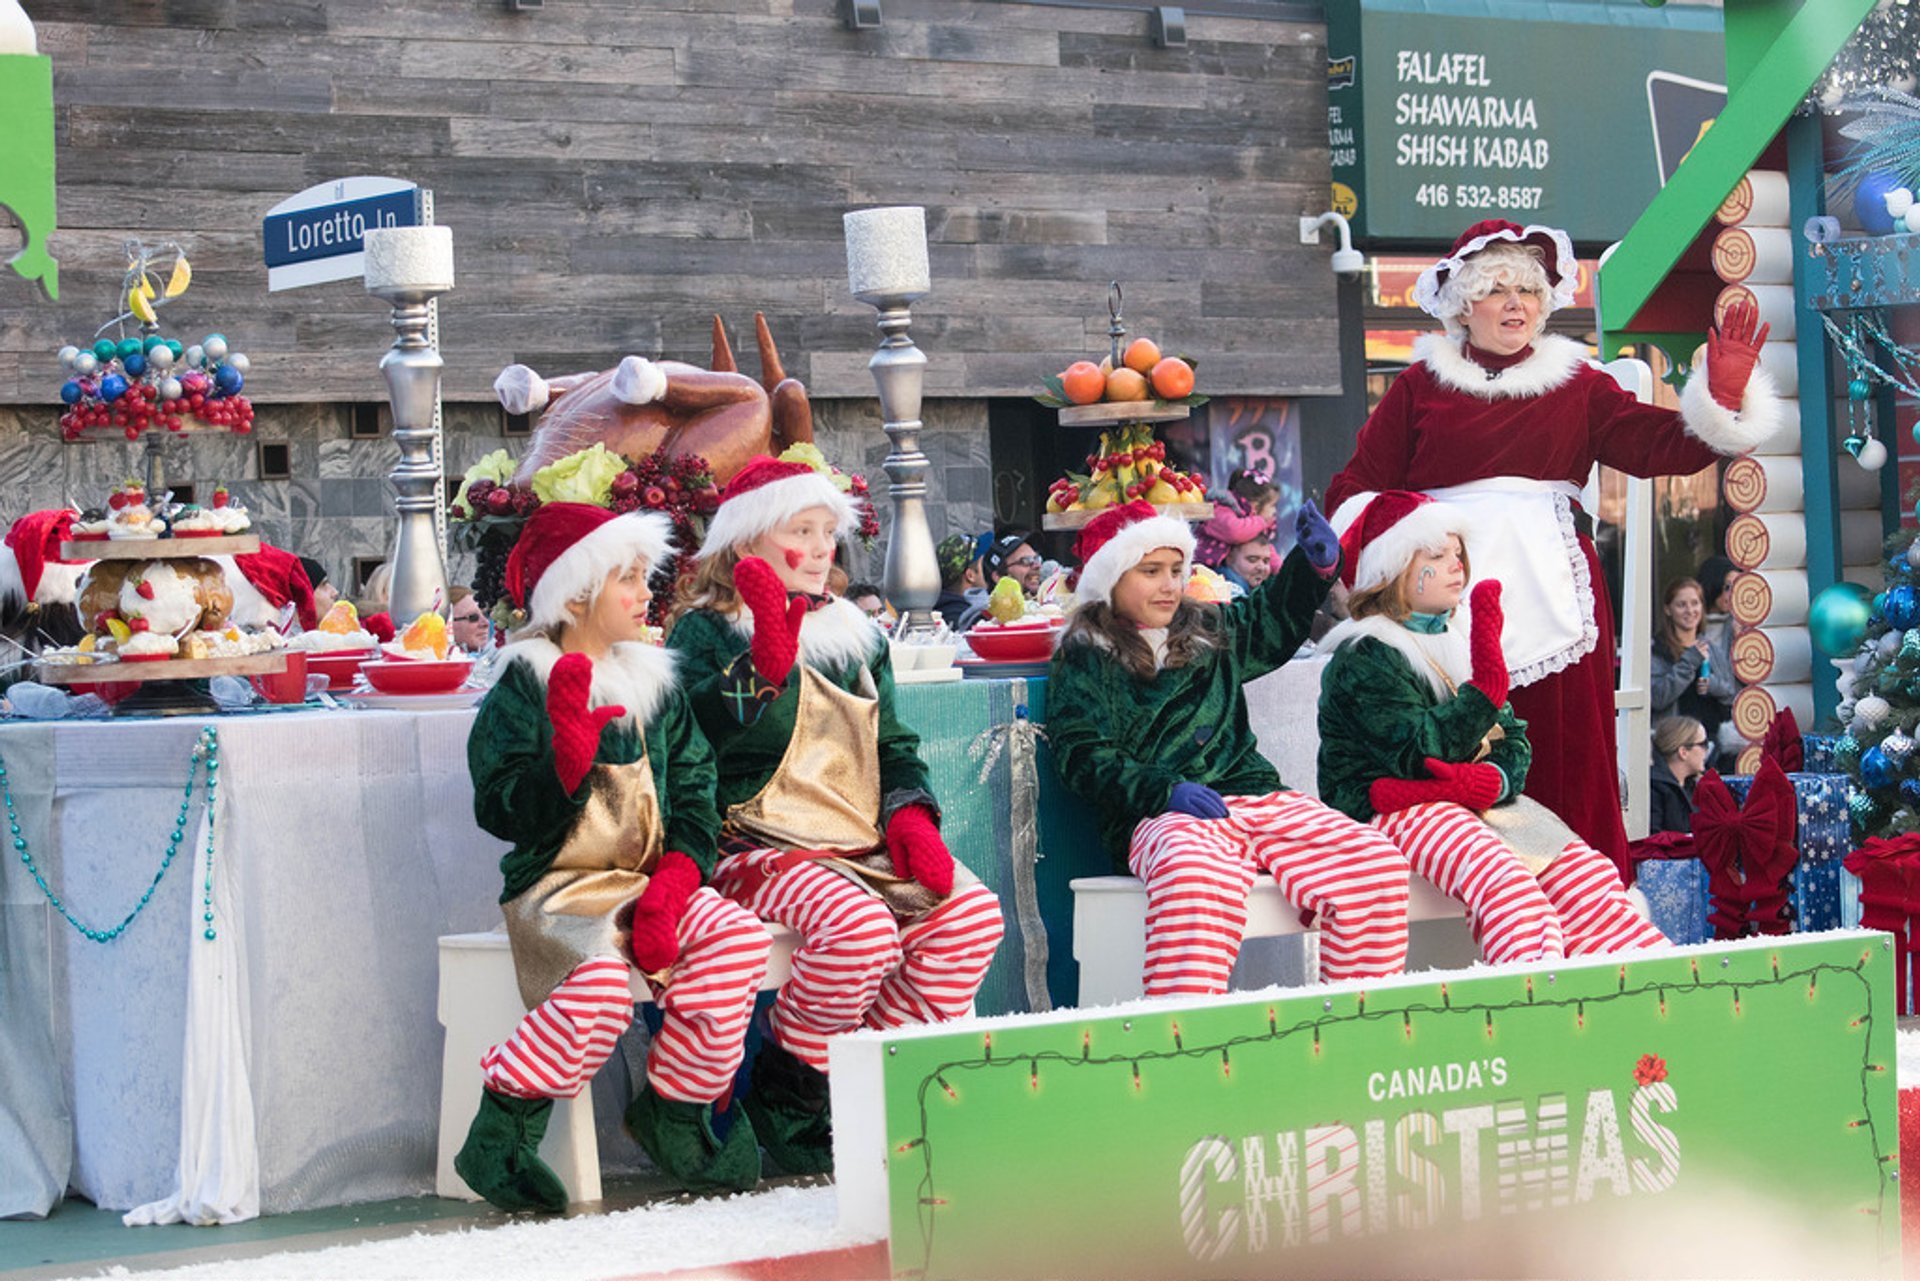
(1079, 519)
(1113, 412)
(161, 669)
(159, 548)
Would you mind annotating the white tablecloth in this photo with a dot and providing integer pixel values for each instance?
(345, 847)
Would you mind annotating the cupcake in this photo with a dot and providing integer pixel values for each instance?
(158, 593)
(228, 516)
(90, 526)
(147, 646)
(192, 521)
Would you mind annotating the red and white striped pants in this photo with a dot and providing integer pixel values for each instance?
(1577, 907)
(856, 965)
(704, 1010)
(1199, 871)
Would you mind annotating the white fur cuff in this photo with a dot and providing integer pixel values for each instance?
(1723, 431)
(521, 391)
(638, 381)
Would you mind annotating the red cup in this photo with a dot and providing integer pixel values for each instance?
(289, 686)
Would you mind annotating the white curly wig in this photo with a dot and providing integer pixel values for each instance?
(1497, 264)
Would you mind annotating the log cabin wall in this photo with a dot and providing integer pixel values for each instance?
(616, 173)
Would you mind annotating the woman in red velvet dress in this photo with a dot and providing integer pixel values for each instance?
(1507, 422)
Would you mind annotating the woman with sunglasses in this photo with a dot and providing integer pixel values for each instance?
(1679, 759)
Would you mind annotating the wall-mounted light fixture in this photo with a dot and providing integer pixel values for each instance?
(521, 6)
(1346, 261)
(858, 15)
(1168, 24)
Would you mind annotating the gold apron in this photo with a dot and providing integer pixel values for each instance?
(825, 794)
(582, 905)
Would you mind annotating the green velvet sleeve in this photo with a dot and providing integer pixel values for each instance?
(707, 647)
(1270, 623)
(516, 792)
(1513, 754)
(1379, 719)
(693, 821)
(1080, 731)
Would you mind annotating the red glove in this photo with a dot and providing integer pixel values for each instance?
(918, 852)
(776, 620)
(379, 626)
(1474, 786)
(1733, 348)
(657, 912)
(1483, 645)
(576, 728)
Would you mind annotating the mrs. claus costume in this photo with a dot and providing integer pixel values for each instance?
(1511, 439)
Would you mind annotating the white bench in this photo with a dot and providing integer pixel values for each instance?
(1110, 929)
(480, 1006)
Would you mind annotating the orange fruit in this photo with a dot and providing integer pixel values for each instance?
(427, 632)
(1142, 354)
(1172, 378)
(341, 619)
(1126, 384)
(1083, 382)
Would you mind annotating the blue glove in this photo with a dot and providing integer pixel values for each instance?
(1315, 537)
(1196, 799)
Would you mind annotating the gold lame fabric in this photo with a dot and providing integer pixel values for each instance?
(582, 906)
(1535, 834)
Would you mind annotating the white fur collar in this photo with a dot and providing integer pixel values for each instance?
(1422, 650)
(633, 675)
(1555, 359)
(831, 637)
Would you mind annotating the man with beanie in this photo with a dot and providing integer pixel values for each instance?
(962, 581)
(324, 592)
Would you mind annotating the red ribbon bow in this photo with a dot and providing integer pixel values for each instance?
(1889, 872)
(1748, 853)
(1782, 742)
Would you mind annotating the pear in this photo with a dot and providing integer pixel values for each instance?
(1007, 602)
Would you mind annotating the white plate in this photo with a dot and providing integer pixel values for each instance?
(926, 675)
(412, 702)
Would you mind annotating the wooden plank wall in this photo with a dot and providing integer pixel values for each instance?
(615, 171)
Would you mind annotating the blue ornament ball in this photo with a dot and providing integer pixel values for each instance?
(135, 364)
(1902, 608)
(228, 380)
(1870, 202)
(1876, 771)
(70, 392)
(1910, 792)
(113, 387)
(1838, 618)
(1859, 389)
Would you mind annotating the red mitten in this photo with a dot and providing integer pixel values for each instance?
(1483, 644)
(776, 620)
(576, 727)
(1390, 795)
(657, 912)
(379, 626)
(918, 852)
(1733, 348)
(1475, 786)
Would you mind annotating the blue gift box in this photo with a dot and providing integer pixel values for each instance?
(1816, 751)
(1676, 891)
(1825, 838)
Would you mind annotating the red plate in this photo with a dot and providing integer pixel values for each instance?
(339, 666)
(1020, 644)
(416, 677)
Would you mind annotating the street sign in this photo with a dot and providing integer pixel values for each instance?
(315, 236)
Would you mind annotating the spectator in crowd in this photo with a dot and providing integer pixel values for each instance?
(1715, 578)
(962, 579)
(1013, 556)
(1692, 673)
(1248, 564)
(1680, 748)
(378, 587)
(325, 593)
(1245, 511)
(467, 623)
(872, 602)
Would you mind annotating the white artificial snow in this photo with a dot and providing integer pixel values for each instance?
(648, 1239)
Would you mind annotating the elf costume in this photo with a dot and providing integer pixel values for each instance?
(598, 775)
(1416, 735)
(1511, 439)
(1187, 802)
(830, 825)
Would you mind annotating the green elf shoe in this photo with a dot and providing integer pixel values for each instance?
(788, 1104)
(702, 1152)
(501, 1157)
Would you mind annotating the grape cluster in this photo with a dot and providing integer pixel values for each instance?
(490, 573)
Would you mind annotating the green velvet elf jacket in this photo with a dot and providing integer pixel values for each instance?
(1122, 742)
(518, 797)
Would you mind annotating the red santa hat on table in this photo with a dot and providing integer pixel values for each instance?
(277, 579)
(1552, 244)
(566, 551)
(1118, 539)
(1379, 544)
(765, 494)
(31, 546)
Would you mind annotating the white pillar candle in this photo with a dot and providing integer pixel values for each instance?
(887, 251)
(409, 258)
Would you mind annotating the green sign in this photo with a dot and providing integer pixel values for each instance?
(1437, 119)
(1722, 1111)
(26, 163)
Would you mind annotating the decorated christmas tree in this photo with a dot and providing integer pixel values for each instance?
(1880, 689)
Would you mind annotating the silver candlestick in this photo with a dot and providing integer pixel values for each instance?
(410, 267)
(887, 269)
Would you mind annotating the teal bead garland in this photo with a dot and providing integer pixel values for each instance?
(206, 748)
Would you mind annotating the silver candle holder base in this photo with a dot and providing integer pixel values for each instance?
(412, 369)
(899, 369)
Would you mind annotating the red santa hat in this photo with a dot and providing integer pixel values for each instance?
(31, 545)
(566, 551)
(1118, 539)
(765, 494)
(1393, 528)
(281, 579)
(1552, 244)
